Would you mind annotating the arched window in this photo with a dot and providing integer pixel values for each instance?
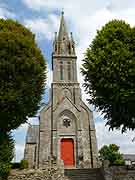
(61, 70)
(69, 71)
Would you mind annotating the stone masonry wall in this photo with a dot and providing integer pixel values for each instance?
(119, 173)
(37, 174)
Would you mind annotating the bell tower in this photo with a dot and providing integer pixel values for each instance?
(64, 67)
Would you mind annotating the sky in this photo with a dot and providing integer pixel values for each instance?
(83, 18)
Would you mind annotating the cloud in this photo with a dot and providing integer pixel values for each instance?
(49, 77)
(40, 4)
(121, 5)
(6, 13)
(85, 19)
(124, 141)
(19, 136)
(70, 6)
(43, 28)
(19, 152)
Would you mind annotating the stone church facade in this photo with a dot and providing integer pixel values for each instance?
(66, 132)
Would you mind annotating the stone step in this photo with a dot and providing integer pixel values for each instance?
(84, 174)
(81, 170)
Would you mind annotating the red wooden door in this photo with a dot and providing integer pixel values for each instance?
(67, 152)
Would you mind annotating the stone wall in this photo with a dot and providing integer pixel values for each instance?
(30, 154)
(110, 173)
(37, 174)
(119, 173)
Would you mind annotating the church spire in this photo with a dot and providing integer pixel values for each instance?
(63, 43)
(63, 33)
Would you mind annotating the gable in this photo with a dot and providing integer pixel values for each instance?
(66, 103)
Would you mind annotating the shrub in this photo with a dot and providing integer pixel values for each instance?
(23, 164)
(112, 154)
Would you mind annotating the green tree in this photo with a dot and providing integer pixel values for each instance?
(111, 153)
(6, 154)
(22, 74)
(109, 73)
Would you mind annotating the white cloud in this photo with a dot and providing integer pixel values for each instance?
(70, 6)
(6, 13)
(43, 28)
(120, 5)
(19, 152)
(104, 136)
(49, 77)
(85, 18)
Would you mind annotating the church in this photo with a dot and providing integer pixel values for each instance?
(66, 131)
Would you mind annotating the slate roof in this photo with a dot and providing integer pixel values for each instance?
(130, 157)
(32, 134)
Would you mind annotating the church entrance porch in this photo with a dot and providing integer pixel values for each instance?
(67, 152)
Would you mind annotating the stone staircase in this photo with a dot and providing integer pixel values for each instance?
(84, 174)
